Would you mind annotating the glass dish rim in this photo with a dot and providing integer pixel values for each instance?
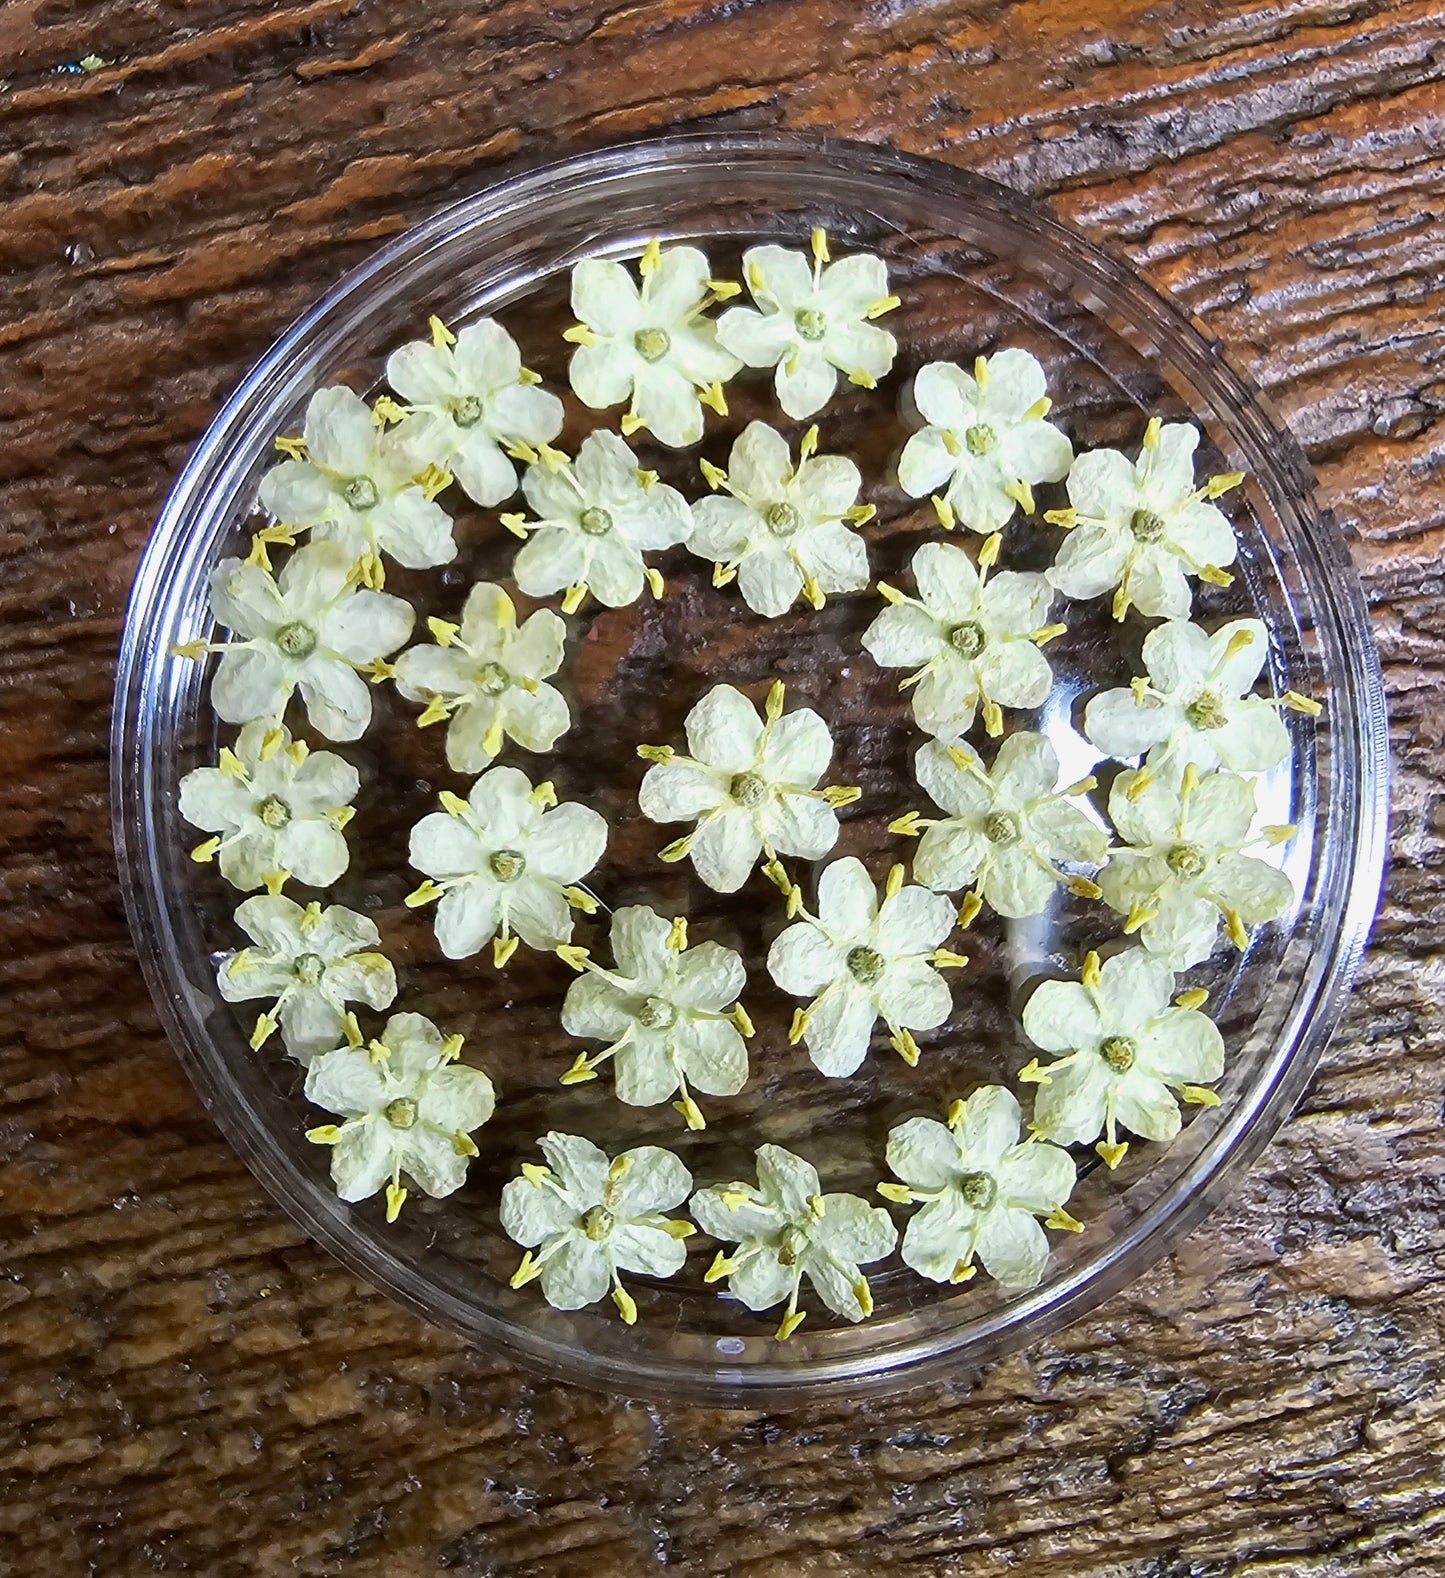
(1359, 781)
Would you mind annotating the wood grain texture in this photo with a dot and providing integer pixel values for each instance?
(187, 1387)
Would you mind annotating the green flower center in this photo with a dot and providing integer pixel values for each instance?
(748, 790)
(467, 411)
(360, 493)
(598, 1223)
(1187, 860)
(1001, 827)
(1119, 1053)
(980, 438)
(783, 519)
(273, 812)
(657, 1013)
(595, 521)
(309, 968)
(1147, 526)
(401, 1113)
(507, 864)
(296, 640)
(652, 344)
(1206, 711)
(812, 324)
(978, 1190)
(865, 965)
(794, 1243)
(968, 640)
(492, 679)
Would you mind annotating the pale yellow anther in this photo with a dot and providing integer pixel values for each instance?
(964, 1271)
(464, 1144)
(492, 739)
(1092, 973)
(274, 881)
(992, 719)
(433, 481)
(351, 1029)
(947, 959)
(632, 423)
(714, 398)
(655, 583)
(579, 334)
(1215, 576)
(1067, 519)
(981, 373)
(690, 1113)
(580, 899)
(773, 707)
(1297, 703)
(808, 444)
(651, 258)
(519, 449)
(724, 289)
(899, 1194)
(258, 556)
(734, 1198)
(576, 595)
(656, 753)
(1112, 1155)
(1039, 409)
(427, 893)
(723, 573)
(1083, 888)
(839, 795)
(720, 1267)
(905, 1046)
(190, 649)
(1239, 642)
(864, 380)
(1222, 483)
(1033, 1074)
(502, 950)
(528, 375)
(291, 446)
(384, 410)
(572, 955)
(1196, 997)
(1189, 782)
(906, 825)
(580, 1072)
(861, 514)
(756, 282)
(943, 510)
(1022, 495)
(526, 1271)
(544, 795)
(1236, 930)
(553, 459)
(1141, 780)
(957, 1112)
(1152, 432)
(324, 1134)
(1140, 686)
(812, 592)
(679, 1229)
(798, 1029)
(205, 852)
(378, 671)
(1121, 603)
(310, 916)
(989, 552)
(968, 910)
(646, 479)
(790, 1324)
(882, 305)
(1061, 1220)
(894, 881)
(452, 1048)
(621, 1166)
(453, 803)
(535, 1173)
(262, 1031)
(820, 246)
(742, 1020)
(1141, 912)
(1199, 1095)
(676, 850)
(794, 905)
(1046, 633)
(298, 751)
(441, 336)
(889, 594)
(437, 710)
(1280, 832)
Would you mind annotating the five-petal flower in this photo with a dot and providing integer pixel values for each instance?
(986, 441)
(811, 321)
(407, 1106)
(1007, 828)
(749, 783)
(669, 1013)
(358, 486)
(311, 963)
(972, 639)
(502, 864)
(1124, 1052)
(982, 1191)
(1195, 705)
(588, 1218)
(597, 516)
(781, 527)
(275, 810)
(861, 961)
(485, 676)
(650, 344)
(783, 1228)
(472, 401)
(1142, 526)
(1185, 867)
(310, 629)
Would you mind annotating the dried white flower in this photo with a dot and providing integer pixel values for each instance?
(972, 639)
(986, 441)
(484, 676)
(861, 961)
(503, 864)
(588, 1219)
(812, 320)
(311, 963)
(408, 1107)
(779, 527)
(784, 1228)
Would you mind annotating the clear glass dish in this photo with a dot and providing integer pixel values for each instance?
(977, 267)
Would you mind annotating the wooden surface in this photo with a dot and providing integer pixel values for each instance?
(185, 1386)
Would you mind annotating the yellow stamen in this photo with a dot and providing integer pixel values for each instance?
(721, 1267)
(889, 594)
(656, 585)
(944, 511)
(452, 803)
(773, 707)
(799, 1026)
(1022, 495)
(713, 475)
(575, 596)
(946, 959)
(525, 1272)
(968, 910)
(882, 305)
(572, 955)
(1032, 1074)
(579, 899)
(1199, 1095)
(1060, 1219)
(579, 334)
(1067, 519)
(894, 882)
(535, 1174)
(790, 1324)
(1151, 433)
(427, 893)
(325, 1134)
(905, 1046)
(1112, 1154)
(502, 950)
(1297, 703)
(820, 246)
(743, 1021)
(676, 850)
(899, 1194)
(714, 398)
(544, 795)
(1196, 997)
(1082, 888)
(580, 1072)
(962, 1272)
(1092, 973)
(1222, 483)
(275, 880)
(677, 935)
(204, 853)
(656, 753)
(264, 1029)
(905, 825)
(1215, 576)
(839, 795)
(691, 1113)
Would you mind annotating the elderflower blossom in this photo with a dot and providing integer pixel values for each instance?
(1184, 867)
(310, 629)
(1195, 704)
(583, 1219)
(782, 1229)
(472, 402)
(1007, 829)
(811, 322)
(311, 963)
(981, 1192)
(986, 441)
(669, 1014)
(596, 517)
(860, 962)
(972, 639)
(407, 1107)
(750, 785)
(1142, 527)
(484, 676)
(503, 863)
(649, 343)
(275, 808)
(779, 527)
(1125, 1051)
(357, 485)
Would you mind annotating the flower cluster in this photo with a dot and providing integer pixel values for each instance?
(1176, 860)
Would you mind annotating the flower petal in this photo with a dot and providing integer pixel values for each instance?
(1061, 1016)
(802, 960)
(1013, 1248)
(725, 848)
(840, 1028)
(914, 921)
(724, 730)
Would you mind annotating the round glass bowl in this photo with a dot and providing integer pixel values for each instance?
(977, 268)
